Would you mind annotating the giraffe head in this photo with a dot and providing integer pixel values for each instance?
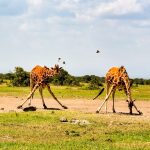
(56, 69)
(123, 72)
(130, 105)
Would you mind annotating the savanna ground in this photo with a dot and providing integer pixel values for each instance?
(42, 129)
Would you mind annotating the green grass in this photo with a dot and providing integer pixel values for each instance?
(142, 92)
(44, 131)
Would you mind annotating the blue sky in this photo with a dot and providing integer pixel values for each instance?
(39, 31)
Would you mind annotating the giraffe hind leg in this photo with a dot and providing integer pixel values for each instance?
(113, 97)
(41, 93)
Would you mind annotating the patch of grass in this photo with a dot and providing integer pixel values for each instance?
(142, 92)
(44, 130)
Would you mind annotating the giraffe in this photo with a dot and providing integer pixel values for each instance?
(117, 78)
(39, 79)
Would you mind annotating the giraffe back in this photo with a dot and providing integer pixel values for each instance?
(42, 74)
(118, 76)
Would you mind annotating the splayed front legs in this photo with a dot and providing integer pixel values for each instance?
(41, 93)
(29, 96)
(49, 89)
(106, 98)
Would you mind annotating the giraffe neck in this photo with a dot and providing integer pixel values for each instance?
(128, 90)
(51, 73)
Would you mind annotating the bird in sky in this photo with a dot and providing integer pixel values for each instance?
(97, 51)
(59, 59)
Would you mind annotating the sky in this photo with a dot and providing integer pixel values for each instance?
(38, 32)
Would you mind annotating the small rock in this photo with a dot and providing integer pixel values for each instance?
(80, 122)
(63, 119)
(74, 121)
(84, 122)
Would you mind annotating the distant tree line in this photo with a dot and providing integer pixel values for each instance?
(19, 77)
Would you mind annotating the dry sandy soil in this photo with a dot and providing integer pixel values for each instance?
(9, 104)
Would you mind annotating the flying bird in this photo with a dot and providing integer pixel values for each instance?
(64, 62)
(59, 59)
(97, 51)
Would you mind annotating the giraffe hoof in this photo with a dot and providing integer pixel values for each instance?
(19, 107)
(65, 107)
(45, 107)
(97, 111)
(140, 113)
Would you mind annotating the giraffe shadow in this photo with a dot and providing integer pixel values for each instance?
(123, 113)
(128, 114)
(51, 108)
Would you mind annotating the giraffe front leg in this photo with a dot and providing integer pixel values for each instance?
(106, 98)
(99, 108)
(49, 89)
(29, 96)
(140, 113)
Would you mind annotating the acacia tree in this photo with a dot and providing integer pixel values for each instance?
(64, 78)
(20, 77)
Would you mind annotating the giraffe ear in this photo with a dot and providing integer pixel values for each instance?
(121, 68)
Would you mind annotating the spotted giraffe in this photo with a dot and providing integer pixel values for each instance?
(39, 79)
(117, 78)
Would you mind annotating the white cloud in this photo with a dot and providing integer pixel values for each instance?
(142, 23)
(35, 3)
(67, 5)
(116, 7)
(121, 7)
(24, 27)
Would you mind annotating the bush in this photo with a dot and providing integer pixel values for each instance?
(1, 81)
(64, 79)
(20, 77)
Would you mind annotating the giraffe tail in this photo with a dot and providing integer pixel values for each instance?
(101, 91)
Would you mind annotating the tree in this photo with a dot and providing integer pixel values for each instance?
(21, 77)
(95, 82)
(64, 78)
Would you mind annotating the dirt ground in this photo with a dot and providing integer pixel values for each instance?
(9, 104)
